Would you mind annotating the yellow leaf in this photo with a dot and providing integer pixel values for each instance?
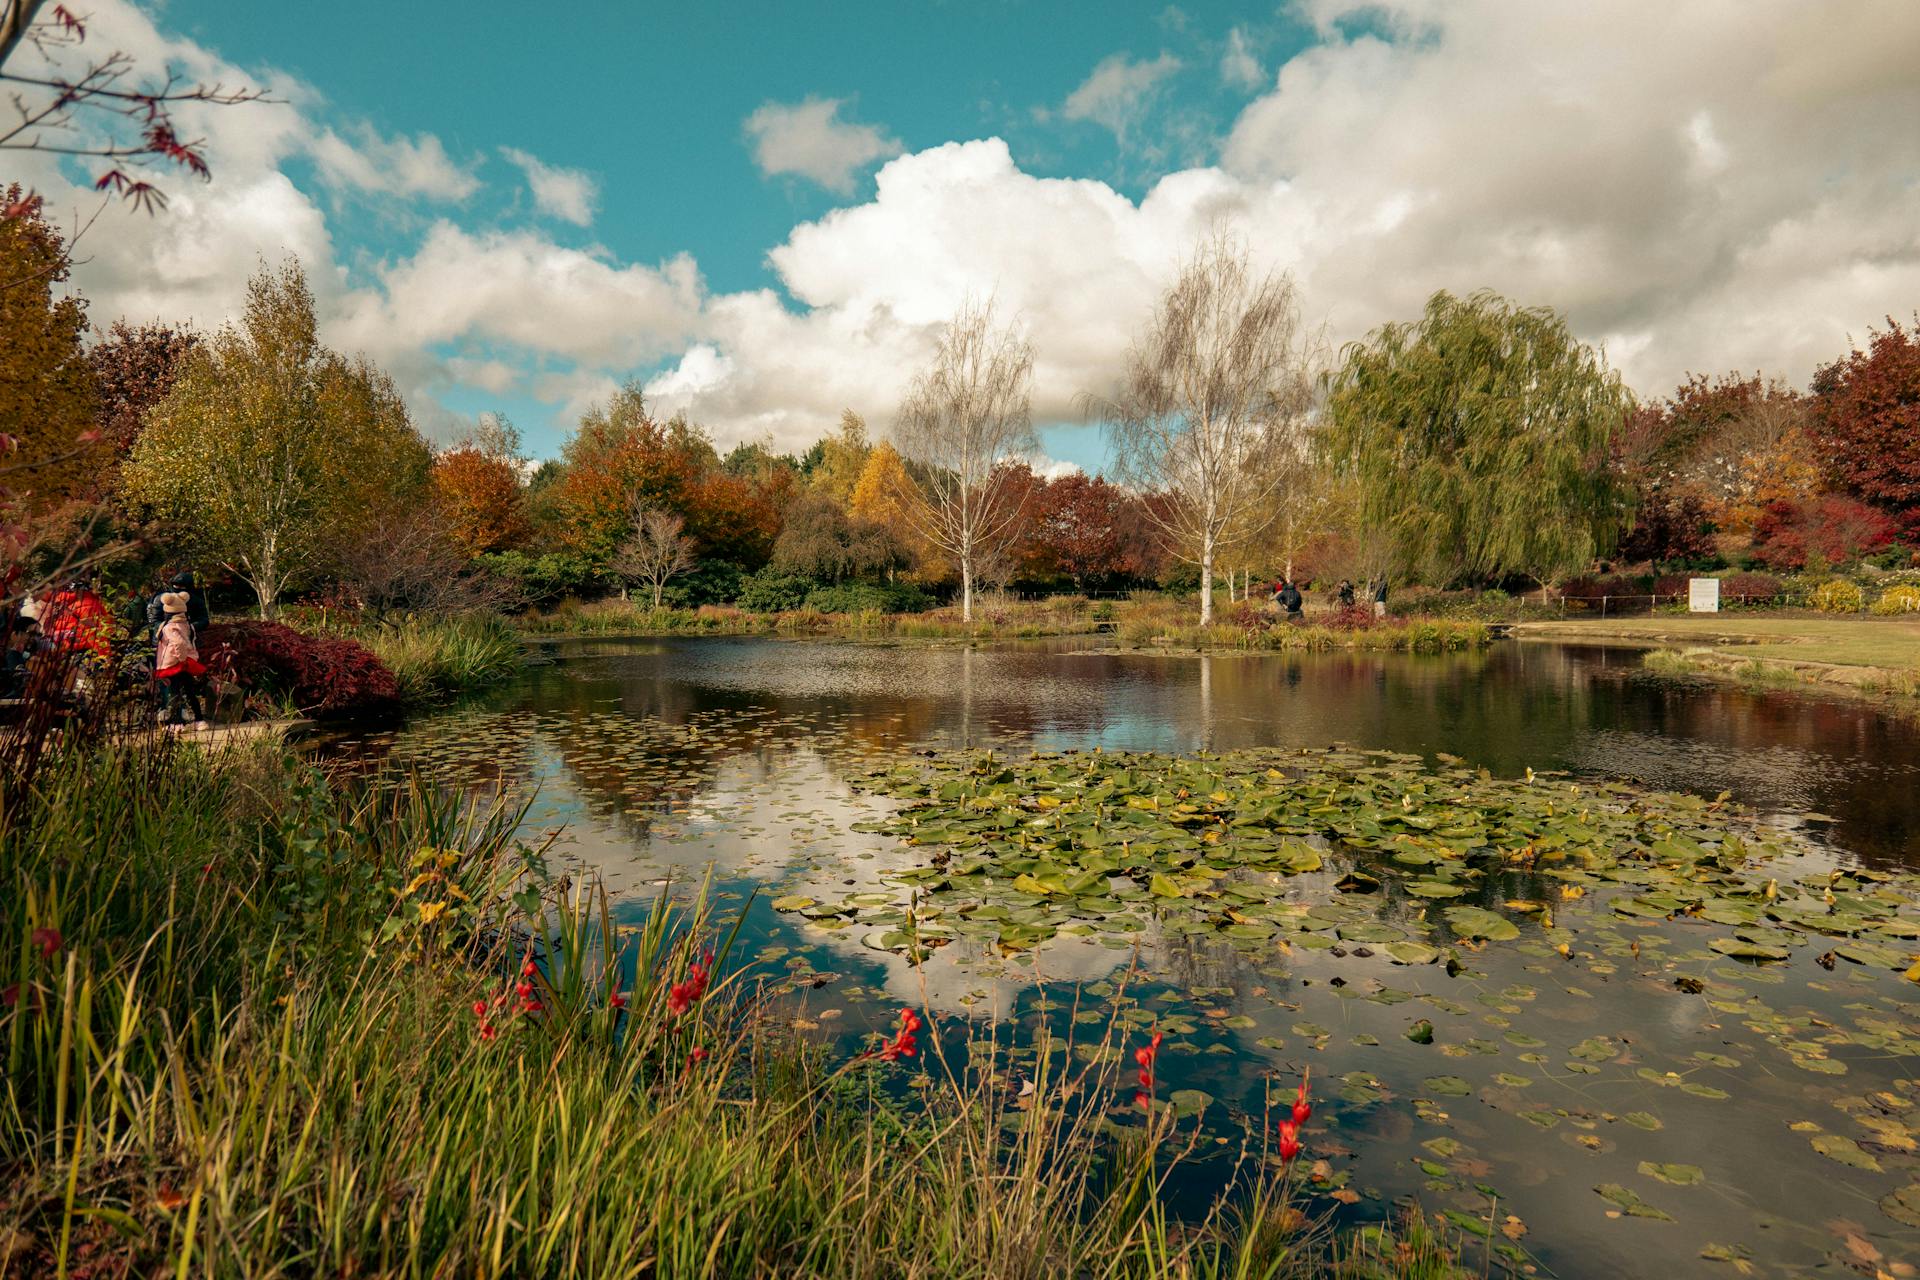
(431, 911)
(425, 877)
(1913, 970)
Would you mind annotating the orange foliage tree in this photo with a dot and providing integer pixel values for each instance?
(481, 495)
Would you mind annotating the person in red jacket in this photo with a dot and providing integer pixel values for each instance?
(76, 618)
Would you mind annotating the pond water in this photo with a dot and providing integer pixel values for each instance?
(1638, 1106)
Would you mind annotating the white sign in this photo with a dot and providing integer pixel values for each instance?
(1703, 595)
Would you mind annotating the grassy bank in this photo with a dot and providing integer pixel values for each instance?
(1877, 656)
(257, 1023)
(1153, 622)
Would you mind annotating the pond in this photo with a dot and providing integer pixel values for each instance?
(1602, 1085)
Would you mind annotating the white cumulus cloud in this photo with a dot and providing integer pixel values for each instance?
(809, 139)
(568, 194)
(401, 166)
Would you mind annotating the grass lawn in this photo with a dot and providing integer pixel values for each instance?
(1889, 643)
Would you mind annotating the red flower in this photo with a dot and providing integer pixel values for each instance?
(488, 1031)
(526, 966)
(903, 1044)
(480, 1008)
(698, 1055)
(681, 996)
(48, 941)
(1145, 1056)
(618, 1000)
(1302, 1109)
(1289, 1141)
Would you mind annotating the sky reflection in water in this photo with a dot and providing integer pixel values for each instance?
(667, 757)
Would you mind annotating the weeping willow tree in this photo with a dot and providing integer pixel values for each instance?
(1478, 436)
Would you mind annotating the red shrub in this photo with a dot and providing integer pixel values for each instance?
(1671, 584)
(1838, 530)
(1355, 617)
(1749, 588)
(322, 675)
(1615, 594)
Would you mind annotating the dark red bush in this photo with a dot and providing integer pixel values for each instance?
(1355, 617)
(1838, 530)
(1669, 530)
(1749, 588)
(322, 675)
(1671, 584)
(1616, 594)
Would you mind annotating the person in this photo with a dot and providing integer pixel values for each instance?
(197, 616)
(176, 665)
(1291, 600)
(1380, 599)
(23, 638)
(76, 618)
(1346, 593)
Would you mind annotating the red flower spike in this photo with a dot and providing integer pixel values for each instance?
(479, 1008)
(1301, 1113)
(1289, 1141)
(618, 1000)
(696, 1057)
(47, 941)
(1142, 1100)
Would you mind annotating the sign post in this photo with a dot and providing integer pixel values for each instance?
(1703, 595)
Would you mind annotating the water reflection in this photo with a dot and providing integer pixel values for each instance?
(667, 758)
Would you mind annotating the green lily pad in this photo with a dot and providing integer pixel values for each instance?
(1679, 1175)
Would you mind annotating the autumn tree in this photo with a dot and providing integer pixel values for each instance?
(885, 498)
(965, 417)
(654, 552)
(834, 463)
(271, 451)
(1219, 383)
(47, 389)
(1866, 422)
(1076, 524)
(619, 460)
(478, 486)
(1480, 435)
(134, 367)
(1734, 443)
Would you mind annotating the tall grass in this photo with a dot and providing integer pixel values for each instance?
(1407, 635)
(433, 658)
(262, 1025)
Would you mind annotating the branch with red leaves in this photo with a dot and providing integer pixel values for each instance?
(103, 111)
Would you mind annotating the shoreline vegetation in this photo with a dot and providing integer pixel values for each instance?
(1863, 657)
(326, 1025)
(1153, 624)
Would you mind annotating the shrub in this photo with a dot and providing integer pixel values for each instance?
(1901, 599)
(860, 597)
(544, 580)
(771, 591)
(1670, 530)
(1750, 588)
(321, 675)
(1827, 530)
(709, 582)
(1836, 595)
(1353, 617)
(1615, 594)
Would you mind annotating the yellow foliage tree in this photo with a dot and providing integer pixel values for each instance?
(843, 455)
(884, 496)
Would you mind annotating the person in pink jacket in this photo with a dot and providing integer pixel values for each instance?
(176, 666)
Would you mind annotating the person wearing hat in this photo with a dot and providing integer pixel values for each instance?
(176, 663)
(197, 616)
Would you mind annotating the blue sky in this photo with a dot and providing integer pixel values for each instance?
(650, 99)
(765, 213)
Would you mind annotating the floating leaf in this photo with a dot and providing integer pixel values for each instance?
(1838, 1147)
(1679, 1175)
(1629, 1203)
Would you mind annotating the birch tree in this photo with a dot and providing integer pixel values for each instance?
(1218, 386)
(965, 420)
(655, 552)
(270, 451)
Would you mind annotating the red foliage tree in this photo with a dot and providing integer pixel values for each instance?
(1669, 528)
(1076, 525)
(1831, 528)
(619, 461)
(732, 517)
(133, 369)
(1866, 422)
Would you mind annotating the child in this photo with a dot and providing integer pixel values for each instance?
(176, 665)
